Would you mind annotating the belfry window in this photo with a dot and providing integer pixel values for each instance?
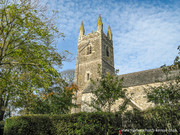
(87, 76)
(107, 51)
(89, 50)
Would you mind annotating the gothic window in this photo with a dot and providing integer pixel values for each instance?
(89, 50)
(87, 76)
(107, 51)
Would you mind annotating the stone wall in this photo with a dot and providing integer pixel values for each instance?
(107, 61)
(87, 64)
(136, 85)
(136, 93)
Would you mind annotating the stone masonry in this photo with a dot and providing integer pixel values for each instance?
(136, 85)
(93, 49)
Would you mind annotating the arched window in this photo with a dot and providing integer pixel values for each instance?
(89, 50)
(107, 51)
(87, 76)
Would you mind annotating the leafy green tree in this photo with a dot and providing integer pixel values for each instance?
(167, 99)
(167, 94)
(60, 100)
(28, 54)
(106, 91)
(56, 100)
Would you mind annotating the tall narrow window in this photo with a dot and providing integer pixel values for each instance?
(107, 51)
(87, 50)
(90, 51)
(87, 76)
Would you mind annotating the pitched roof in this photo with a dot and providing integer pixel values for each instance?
(142, 78)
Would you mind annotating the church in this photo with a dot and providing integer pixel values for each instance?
(97, 49)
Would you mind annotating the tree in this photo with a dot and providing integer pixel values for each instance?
(167, 94)
(56, 100)
(28, 54)
(68, 75)
(60, 101)
(167, 98)
(106, 91)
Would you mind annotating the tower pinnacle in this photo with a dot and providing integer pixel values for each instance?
(99, 23)
(109, 33)
(81, 29)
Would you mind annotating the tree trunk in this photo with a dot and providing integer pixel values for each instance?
(109, 107)
(2, 111)
(1, 115)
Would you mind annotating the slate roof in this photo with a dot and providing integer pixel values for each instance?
(141, 78)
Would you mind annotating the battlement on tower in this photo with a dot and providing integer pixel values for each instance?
(89, 36)
(99, 32)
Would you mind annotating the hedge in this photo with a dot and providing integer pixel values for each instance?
(97, 123)
(80, 124)
(161, 120)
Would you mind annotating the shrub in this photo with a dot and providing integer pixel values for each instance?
(28, 125)
(163, 117)
(160, 118)
(80, 124)
(96, 123)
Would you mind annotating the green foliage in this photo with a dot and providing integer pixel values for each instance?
(166, 114)
(161, 117)
(37, 125)
(107, 90)
(97, 123)
(168, 93)
(59, 101)
(165, 94)
(132, 120)
(158, 118)
(79, 124)
(28, 57)
(55, 100)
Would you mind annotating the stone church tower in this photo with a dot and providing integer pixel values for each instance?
(93, 49)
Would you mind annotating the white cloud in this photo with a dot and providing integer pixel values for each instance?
(149, 40)
(145, 35)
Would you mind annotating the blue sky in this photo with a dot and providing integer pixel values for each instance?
(146, 33)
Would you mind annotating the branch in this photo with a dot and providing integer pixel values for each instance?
(11, 63)
(15, 46)
(5, 36)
